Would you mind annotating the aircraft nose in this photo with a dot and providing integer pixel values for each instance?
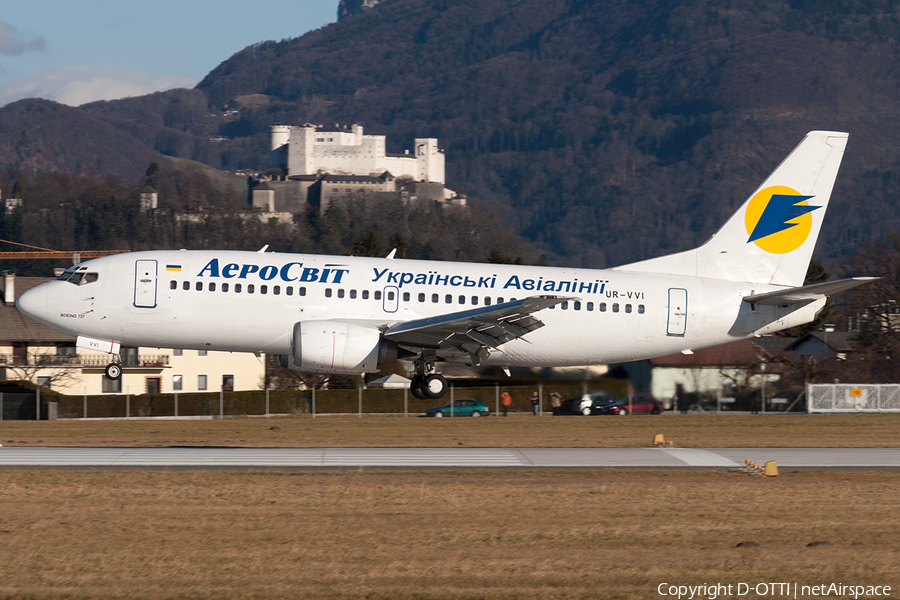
(34, 303)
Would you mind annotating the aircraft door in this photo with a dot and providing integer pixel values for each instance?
(677, 320)
(145, 272)
(391, 299)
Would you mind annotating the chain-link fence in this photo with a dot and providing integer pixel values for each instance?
(848, 397)
(314, 402)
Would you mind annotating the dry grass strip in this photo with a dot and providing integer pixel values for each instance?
(519, 430)
(438, 535)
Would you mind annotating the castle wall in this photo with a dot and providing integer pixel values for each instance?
(307, 150)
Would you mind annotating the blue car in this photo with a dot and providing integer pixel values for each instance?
(461, 408)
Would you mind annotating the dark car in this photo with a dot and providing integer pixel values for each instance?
(587, 404)
(461, 408)
(638, 405)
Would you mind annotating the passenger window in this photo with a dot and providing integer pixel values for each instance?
(186, 285)
(237, 288)
(251, 288)
(173, 285)
(603, 307)
(615, 307)
(199, 286)
(340, 292)
(406, 296)
(378, 294)
(352, 294)
(421, 297)
(328, 292)
(224, 287)
(212, 286)
(628, 308)
(590, 306)
(640, 309)
(263, 289)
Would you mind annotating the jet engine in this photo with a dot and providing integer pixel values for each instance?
(337, 347)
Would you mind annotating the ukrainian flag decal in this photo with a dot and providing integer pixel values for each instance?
(173, 267)
(778, 219)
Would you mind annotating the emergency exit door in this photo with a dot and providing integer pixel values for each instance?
(677, 321)
(145, 283)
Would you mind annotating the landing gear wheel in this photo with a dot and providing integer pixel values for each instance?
(434, 386)
(415, 388)
(113, 371)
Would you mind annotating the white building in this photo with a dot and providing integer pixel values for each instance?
(311, 150)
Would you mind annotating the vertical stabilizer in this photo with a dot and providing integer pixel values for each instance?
(771, 238)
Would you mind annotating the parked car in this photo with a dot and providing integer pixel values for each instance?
(587, 404)
(638, 405)
(465, 407)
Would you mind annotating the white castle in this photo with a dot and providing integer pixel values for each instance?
(311, 150)
(321, 166)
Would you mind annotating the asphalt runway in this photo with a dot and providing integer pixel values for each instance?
(447, 458)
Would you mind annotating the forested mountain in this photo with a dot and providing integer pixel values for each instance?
(603, 131)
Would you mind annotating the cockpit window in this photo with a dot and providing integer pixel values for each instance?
(66, 274)
(79, 277)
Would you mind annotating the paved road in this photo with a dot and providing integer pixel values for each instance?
(427, 458)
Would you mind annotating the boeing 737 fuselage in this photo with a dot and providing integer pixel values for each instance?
(334, 314)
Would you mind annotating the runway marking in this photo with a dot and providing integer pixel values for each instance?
(699, 458)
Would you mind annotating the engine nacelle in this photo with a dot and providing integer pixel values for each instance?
(338, 347)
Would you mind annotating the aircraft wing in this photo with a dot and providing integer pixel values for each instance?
(474, 331)
(807, 293)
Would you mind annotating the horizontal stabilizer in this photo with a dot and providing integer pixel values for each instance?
(807, 293)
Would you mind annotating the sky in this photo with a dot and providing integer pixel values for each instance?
(75, 52)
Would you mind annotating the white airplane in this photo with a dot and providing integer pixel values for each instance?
(338, 314)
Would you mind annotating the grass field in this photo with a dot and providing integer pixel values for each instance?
(518, 430)
(445, 534)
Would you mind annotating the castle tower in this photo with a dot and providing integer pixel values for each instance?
(429, 161)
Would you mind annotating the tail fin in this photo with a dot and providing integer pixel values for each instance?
(771, 238)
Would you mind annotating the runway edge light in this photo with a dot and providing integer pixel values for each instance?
(659, 441)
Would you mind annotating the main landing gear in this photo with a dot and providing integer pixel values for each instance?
(426, 384)
(114, 369)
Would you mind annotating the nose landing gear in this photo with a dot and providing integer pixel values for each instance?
(114, 369)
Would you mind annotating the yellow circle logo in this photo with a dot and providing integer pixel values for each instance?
(778, 219)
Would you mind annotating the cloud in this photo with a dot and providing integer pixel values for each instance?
(12, 44)
(79, 84)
